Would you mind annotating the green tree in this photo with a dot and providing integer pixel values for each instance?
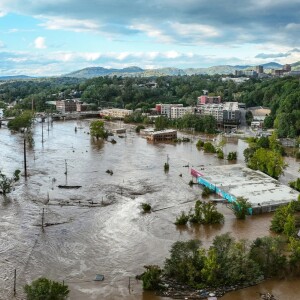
(161, 123)
(232, 156)
(269, 253)
(210, 268)
(45, 289)
(268, 161)
(182, 219)
(241, 207)
(294, 257)
(289, 228)
(21, 122)
(6, 183)
(209, 147)
(151, 278)
(97, 130)
(185, 262)
(279, 218)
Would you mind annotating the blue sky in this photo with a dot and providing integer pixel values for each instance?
(54, 37)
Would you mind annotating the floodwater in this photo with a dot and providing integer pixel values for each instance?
(100, 228)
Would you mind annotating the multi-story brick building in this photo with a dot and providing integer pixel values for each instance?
(204, 99)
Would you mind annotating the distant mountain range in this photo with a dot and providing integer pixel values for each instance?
(15, 77)
(136, 71)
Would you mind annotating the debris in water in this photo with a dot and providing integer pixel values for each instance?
(99, 277)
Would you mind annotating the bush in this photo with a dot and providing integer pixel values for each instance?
(138, 128)
(166, 167)
(209, 148)
(146, 207)
(232, 156)
(220, 154)
(200, 144)
(206, 192)
(182, 219)
(6, 183)
(44, 288)
(298, 155)
(295, 184)
(151, 278)
(241, 207)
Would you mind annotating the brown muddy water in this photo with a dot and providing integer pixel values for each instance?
(99, 228)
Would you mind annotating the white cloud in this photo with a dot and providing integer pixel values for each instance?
(58, 23)
(152, 32)
(40, 43)
(195, 30)
(2, 45)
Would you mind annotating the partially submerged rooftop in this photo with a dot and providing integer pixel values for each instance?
(263, 192)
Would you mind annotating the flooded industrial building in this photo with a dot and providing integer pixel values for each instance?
(263, 192)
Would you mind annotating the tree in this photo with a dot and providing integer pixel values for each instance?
(6, 183)
(97, 130)
(211, 267)
(21, 122)
(209, 147)
(45, 289)
(232, 156)
(289, 228)
(185, 262)
(151, 278)
(267, 161)
(182, 219)
(161, 123)
(241, 207)
(279, 218)
(268, 252)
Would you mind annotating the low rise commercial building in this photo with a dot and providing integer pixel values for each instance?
(115, 113)
(163, 135)
(68, 105)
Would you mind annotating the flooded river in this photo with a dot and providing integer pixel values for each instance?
(100, 228)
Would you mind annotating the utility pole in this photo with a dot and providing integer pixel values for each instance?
(48, 118)
(42, 130)
(25, 162)
(15, 282)
(43, 217)
(66, 171)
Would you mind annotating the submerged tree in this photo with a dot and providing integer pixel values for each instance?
(44, 288)
(97, 130)
(241, 207)
(6, 183)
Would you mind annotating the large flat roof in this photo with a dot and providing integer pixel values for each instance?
(259, 188)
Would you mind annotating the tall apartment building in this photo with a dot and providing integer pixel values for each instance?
(287, 68)
(204, 99)
(231, 113)
(178, 112)
(215, 110)
(226, 113)
(165, 109)
(259, 69)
